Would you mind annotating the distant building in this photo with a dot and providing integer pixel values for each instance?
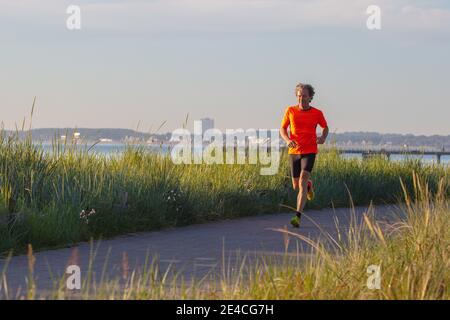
(153, 140)
(207, 123)
(174, 139)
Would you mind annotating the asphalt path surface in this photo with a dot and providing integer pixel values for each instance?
(192, 251)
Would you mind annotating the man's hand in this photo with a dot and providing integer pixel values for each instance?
(291, 143)
(320, 140)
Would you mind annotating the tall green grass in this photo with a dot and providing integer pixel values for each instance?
(412, 253)
(42, 194)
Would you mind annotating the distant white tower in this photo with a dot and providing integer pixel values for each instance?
(207, 123)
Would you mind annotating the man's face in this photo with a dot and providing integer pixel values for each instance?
(303, 96)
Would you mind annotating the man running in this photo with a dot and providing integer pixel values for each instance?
(302, 142)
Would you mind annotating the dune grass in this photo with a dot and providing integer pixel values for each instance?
(42, 194)
(412, 254)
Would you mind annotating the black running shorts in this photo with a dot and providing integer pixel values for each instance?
(301, 162)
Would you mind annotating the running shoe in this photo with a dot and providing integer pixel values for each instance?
(295, 221)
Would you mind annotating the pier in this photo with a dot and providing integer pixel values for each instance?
(368, 152)
(388, 152)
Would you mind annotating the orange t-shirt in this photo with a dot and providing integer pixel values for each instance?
(303, 128)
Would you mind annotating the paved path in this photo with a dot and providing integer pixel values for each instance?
(193, 250)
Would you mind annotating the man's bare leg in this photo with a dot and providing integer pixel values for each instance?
(303, 189)
(295, 182)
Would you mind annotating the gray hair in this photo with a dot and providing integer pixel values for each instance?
(307, 87)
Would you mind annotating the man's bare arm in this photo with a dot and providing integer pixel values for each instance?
(323, 137)
(284, 135)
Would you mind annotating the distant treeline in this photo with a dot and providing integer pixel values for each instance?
(358, 138)
(90, 134)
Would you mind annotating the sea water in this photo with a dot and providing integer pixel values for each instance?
(109, 149)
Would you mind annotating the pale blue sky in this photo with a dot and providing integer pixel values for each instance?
(234, 60)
